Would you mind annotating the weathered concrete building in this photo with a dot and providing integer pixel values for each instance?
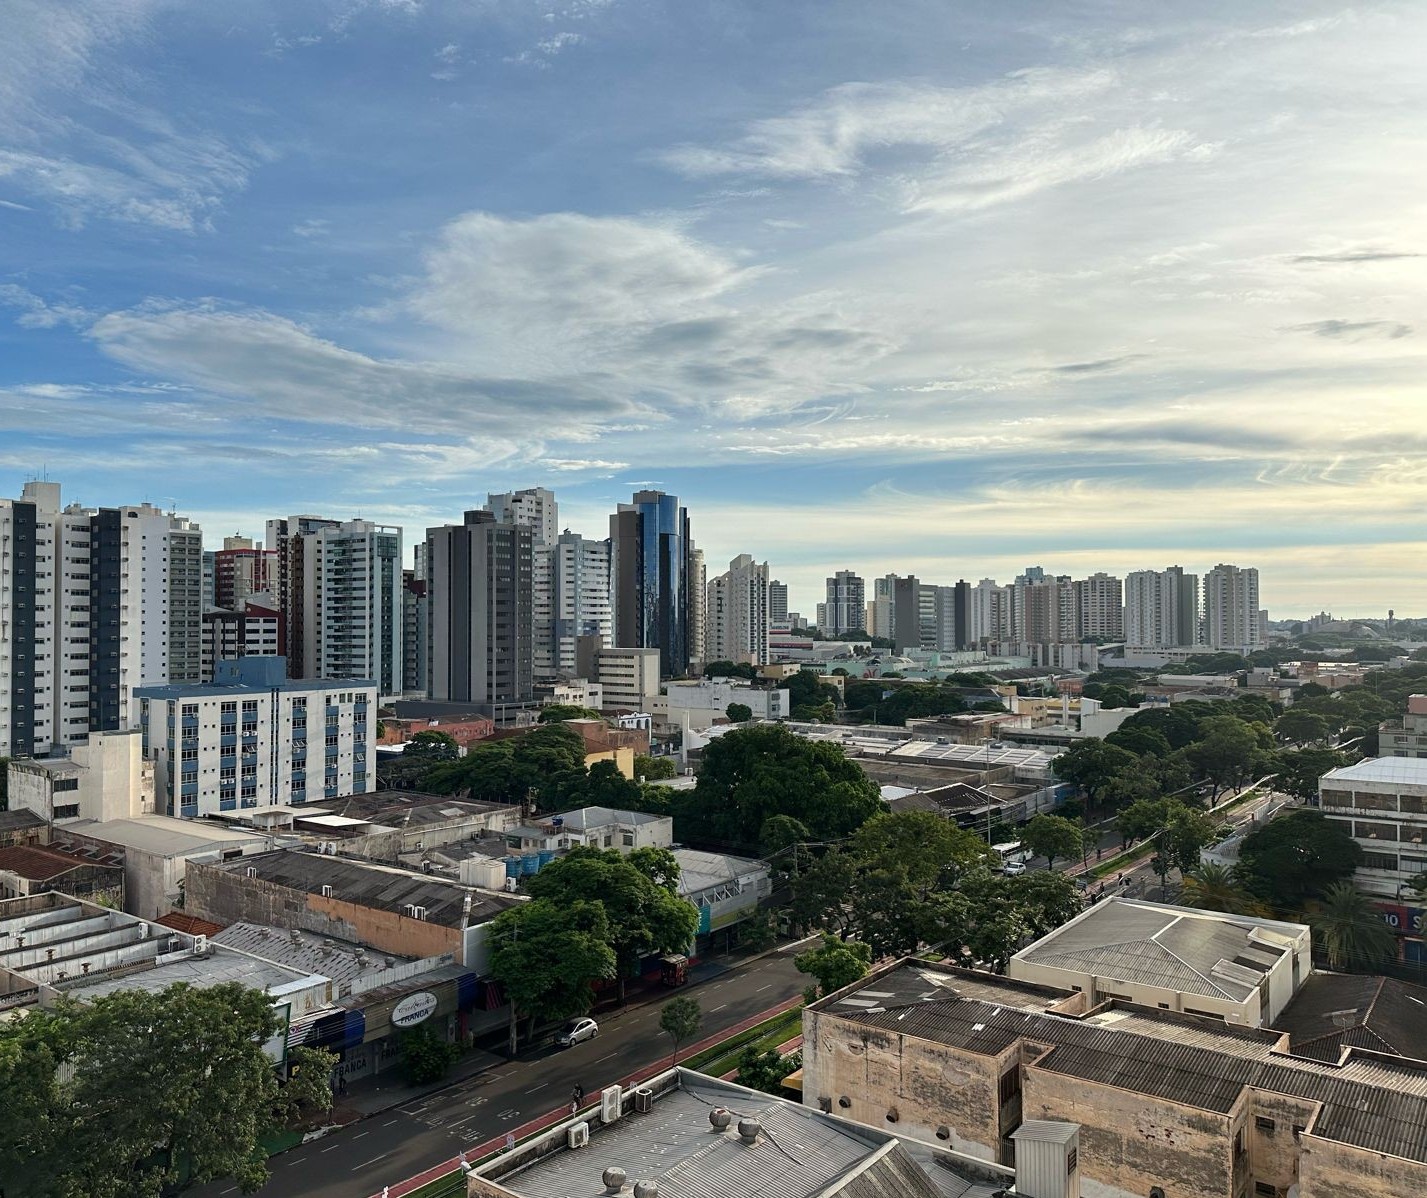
(1171, 1104)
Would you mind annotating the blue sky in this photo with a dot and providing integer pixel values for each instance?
(948, 288)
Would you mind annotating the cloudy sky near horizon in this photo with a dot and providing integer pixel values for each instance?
(948, 288)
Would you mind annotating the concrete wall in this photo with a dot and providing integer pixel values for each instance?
(1329, 1170)
(229, 895)
(866, 1075)
(1130, 1142)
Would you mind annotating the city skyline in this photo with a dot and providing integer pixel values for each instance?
(880, 291)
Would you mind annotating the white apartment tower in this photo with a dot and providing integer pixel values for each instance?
(93, 603)
(1099, 607)
(340, 589)
(698, 608)
(254, 738)
(1161, 608)
(989, 615)
(846, 606)
(738, 613)
(1232, 619)
(580, 589)
(535, 508)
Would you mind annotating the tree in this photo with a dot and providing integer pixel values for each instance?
(1186, 832)
(766, 1070)
(545, 762)
(1091, 763)
(150, 1083)
(1126, 790)
(558, 713)
(652, 769)
(1351, 931)
(1045, 900)
(1299, 772)
(1296, 857)
(738, 713)
(820, 891)
(1301, 727)
(1140, 739)
(834, 963)
(1213, 887)
(810, 698)
(1225, 753)
(432, 745)
(547, 957)
(680, 1020)
(1051, 836)
(425, 1055)
(638, 893)
(926, 849)
(781, 832)
(752, 774)
(729, 669)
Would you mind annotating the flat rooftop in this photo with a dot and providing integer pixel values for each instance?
(1404, 771)
(1204, 953)
(368, 884)
(799, 1152)
(1369, 1100)
(164, 834)
(340, 960)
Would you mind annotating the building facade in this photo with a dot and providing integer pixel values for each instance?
(253, 630)
(651, 579)
(1099, 608)
(1232, 618)
(241, 570)
(580, 587)
(535, 508)
(1405, 737)
(846, 607)
(738, 613)
(480, 581)
(249, 739)
(1381, 802)
(93, 603)
(1161, 608)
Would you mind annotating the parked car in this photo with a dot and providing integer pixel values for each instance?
(1013, 869)
(577, 1031)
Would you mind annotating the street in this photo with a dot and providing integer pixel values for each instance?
(388, 1147)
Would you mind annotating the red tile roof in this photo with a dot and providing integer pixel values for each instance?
(189, 924)
(40, 864)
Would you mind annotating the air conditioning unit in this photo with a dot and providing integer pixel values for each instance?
(512, 885)
(643, 1100)
(200, 946)
(577, 1135)
(609, 1104)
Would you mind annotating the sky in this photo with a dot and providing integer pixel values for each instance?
(948, 287)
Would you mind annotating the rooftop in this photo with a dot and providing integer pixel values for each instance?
(407, 808)
(50, 765)
(1410, 771)
(1334, 1011)
(585, 818)
(799, 1152)
(1369, 1100)
(19, 820)
(368, 884)
(339, 960)
(703, 871)
(39, 864)
(165, 835)
(1203, 953)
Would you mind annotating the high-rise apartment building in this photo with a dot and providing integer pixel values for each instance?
(580, 587)
(535, 508)
(738, 616)
(650, 578)
(240, 570)
(479, 586)
(1232, 619)
(340, 590)
(846, 606)
(1161, 608)
(952, 616)
(414, 630)
(989, 611)
(698, 609)
(1099, 607)
(906, 613)
(777, 603)
(1044, 610)
(254, 738)
(93, 603)
(881, 615)
(253, 630)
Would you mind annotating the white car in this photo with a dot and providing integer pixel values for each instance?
(1013, 869)
(577, 1031)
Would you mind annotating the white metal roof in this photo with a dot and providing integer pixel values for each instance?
(1411, 771)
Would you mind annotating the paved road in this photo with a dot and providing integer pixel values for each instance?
(386, 1148)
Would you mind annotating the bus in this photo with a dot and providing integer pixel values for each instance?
(1012, 852)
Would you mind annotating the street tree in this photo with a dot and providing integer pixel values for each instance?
(1091, 763)
(834, 963)
(738, 713)
(925, 848)
(1044, 899)
(1298, 727)
(822, 886)
(1051, 837)
(680, 1020)
(1299, 771)
(1295, 858)
(638, 893)
(1351, 930)
(432, 745)
(426, 1055)
(766, 1070)
(1226, 752)
(652, 769)
(1214, 887)
(547, 958)
(752, 774)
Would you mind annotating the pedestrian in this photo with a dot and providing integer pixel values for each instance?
(342, 1086)
(574, 1108)
(579, 1092)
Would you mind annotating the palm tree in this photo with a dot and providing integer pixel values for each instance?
(1214, 887)
(1351, 930)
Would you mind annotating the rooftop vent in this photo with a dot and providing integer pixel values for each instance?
(646, 1189)
(748, 1130)
(720, 1118)
(326, 890)
(614, 1178)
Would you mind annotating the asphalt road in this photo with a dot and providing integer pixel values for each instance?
(386, 1148)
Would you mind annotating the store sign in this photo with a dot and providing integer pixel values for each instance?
(414, 1009)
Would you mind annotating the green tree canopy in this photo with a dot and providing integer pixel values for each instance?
(547, 957)
(729, 669)
(679, 1020)
(752, 774)
(1229, 752)
(558, 713)
(432, 745)
(1052, 837)
(738, 713)
(638, 893)
(1299, 727)
(110, 1099)
(1091, 763)
(1298, 772)
(1351, 930)
(1295, 858)
(652, 769)
(834, 963)
(545, 762)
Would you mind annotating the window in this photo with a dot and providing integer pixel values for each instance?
(1298, 1130)
(66, 811)
(1266, 1189)
(64, 784)
(1264, 1125)
(628, 839)
(1238, 1143)
(1071, 1161)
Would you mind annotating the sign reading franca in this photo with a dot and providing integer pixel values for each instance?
(413, 1009)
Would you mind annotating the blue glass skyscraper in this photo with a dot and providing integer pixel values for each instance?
(650, 578)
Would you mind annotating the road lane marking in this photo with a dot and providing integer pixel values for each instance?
(541, 1086)
(370, 1163)
(720, 1007)
(607, 1057)
(331, 1149)
(389, 1122)
(359, 1135)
